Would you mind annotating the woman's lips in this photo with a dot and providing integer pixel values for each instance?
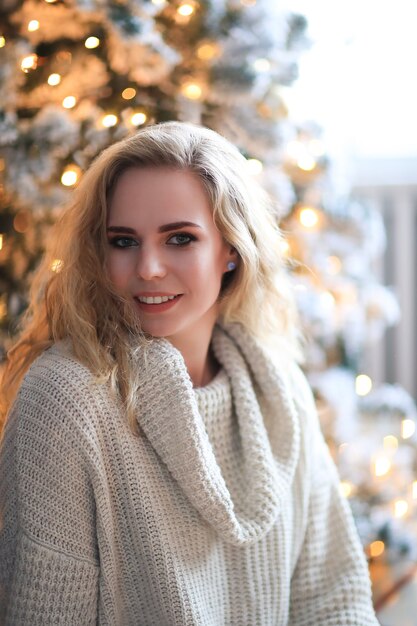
(157, 308)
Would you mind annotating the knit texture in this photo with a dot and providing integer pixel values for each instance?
(224, 512)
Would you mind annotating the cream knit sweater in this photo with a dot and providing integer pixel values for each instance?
(225, 512)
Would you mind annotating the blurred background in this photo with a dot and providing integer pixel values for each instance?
(319, 98)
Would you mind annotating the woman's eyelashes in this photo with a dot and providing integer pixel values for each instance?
(176, 239)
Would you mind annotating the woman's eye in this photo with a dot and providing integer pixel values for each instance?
(122, 242)
(181, 239)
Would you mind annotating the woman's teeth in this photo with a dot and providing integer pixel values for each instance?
(155, 299)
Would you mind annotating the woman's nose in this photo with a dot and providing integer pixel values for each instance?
(150, 264)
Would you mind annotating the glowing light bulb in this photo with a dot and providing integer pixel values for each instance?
(345, 488)
(128, 93)
(2, 41)
(363, 385)
(193, 91)
(390, 443)
(33, 25)
(138, 119)
(29, 63)
(50, 1)
(69, 102)
(56, 265)
(376, 548)
(254, 166)
(400, 508)
(54, 79)
(381, 465)
(408, 428)
(109, 120)
(185, 10)
(309, 217)
(1, 241)
(92, 42)
(70, 176)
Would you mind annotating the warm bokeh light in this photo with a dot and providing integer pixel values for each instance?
(346, 488)
(193, 91)
(254, 166)
(69, 102)
(408, 428)
(400, 508)
(29, 63)
(33, 25)
(390, 443)
(309, 217)
(109, 120)
(128, 93)
(54, 79)
(21, 222)
(334, 265)
(363, 384)
(92, 42)
(285, 247)
(185, 9)
(381, 465)
(414, 490)
(138, 118)
(70, 176)
(1, 240)
(262, 65)
(376, 548)
(2, 41)
(306, 162)
(208, 51)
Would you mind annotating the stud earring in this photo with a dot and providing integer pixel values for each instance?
(231, 266)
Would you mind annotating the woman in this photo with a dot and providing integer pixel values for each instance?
(162, 459)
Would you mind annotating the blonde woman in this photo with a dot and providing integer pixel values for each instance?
(162, 462)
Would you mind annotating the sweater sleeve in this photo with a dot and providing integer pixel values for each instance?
(48, 556)
(330, 584)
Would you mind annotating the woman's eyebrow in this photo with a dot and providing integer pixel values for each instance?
(162, 229)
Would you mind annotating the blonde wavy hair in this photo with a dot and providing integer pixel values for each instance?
(73, 299)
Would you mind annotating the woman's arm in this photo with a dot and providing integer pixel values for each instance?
(48, 560)
(330, 584)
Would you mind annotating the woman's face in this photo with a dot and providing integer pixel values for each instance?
(165, 252)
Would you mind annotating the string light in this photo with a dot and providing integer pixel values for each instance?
(346, 488)
(109, 120)
(254, 166)
(2, 41)
(54, 79)
(70, 175)
(128, 93)
(376, 548)
(92, 42)
(69, 102)
(33, 25)
(390, 443)
(208, 51)
(400, 508)
(408, 428)
(185, 9)
(262, 65)
(193, 91)
(309, 217)
(29, 63)
(381, 465)
(363, 385)
(138, 118)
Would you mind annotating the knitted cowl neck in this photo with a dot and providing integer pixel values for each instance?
(269, 437)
